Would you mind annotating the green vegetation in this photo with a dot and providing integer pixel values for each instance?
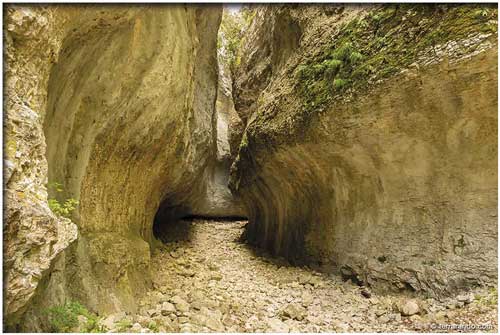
(55, 186)
(64, 209)
(491, 299)
(67, 207)
(382, 43)
(153, 326)
(124, 325)
(64, 318)
(332, 74)
(231, 34)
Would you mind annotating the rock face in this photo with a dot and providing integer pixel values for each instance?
(364, 139)
(375, 156)
(218, 201)
(215, 200)
(126, 96)
(33, 235)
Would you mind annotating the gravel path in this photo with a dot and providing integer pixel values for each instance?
(205, 280)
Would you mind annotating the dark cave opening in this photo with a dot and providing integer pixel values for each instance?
(173, 223)
(193, 217)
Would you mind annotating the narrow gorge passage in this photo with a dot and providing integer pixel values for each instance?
(206, 279)
(251, 168)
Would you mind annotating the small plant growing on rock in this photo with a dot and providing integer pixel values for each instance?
(339, 83)
(55, 186)
(64, 318)
(153, 326)
(489, 299)
(329, 75)
(123, 325)
(65, 209)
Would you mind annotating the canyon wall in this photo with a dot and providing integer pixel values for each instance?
(126, 97)
(218, 201)
(33, 235)
(364, 141)
(370, 146)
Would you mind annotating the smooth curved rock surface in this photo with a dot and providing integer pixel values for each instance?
(126, 96)
(394, 185)
(388, 176)
(218, 201)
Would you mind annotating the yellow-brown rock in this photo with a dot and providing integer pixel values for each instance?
(126, 97)
(369, 155)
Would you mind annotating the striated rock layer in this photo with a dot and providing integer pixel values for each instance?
(126, 97)
(371, 150)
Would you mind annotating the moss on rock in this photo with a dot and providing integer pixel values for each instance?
(382, 43)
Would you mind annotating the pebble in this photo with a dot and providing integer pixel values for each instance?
(215, 324)
(366, 292)
(307, 299)
(183, 319)
(234, 291)
(82, 324)
(136, 328)
(167, 308)
(109, 322)
(395, 317)
(215, 276)
(187, 273)
(153, 312)
(466, 298)
(294, 311)
(180, 304)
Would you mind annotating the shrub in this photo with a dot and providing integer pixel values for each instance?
(153, 326)
(65, 209)
(64, 318)
(123, 325)
(231, 35)
(339, 83)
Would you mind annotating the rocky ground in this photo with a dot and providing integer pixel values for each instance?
(205, 280)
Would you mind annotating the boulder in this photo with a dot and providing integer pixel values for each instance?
(167, 308)
(409, 307)
(180, 304)
(466, 298)
(294, 311)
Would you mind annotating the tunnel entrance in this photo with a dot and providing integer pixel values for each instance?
(177, 231)
(173, 223)
(210, 199)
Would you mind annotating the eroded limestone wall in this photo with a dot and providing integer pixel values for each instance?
(33, 235)
(126, 96)
(219, 201)
(392, 182)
